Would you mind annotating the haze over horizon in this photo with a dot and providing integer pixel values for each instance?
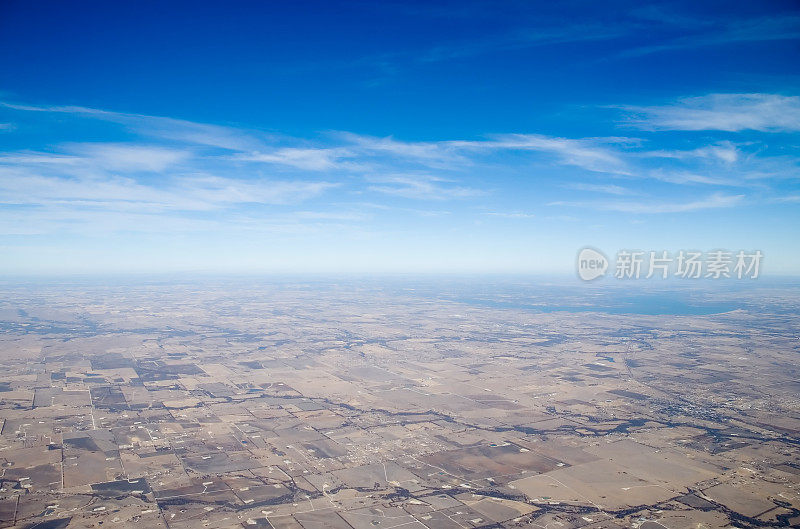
(400, 137)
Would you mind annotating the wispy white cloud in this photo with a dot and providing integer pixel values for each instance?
(392, 207)
(522, 38)
(354, 153)
(216, 190)
(230, 138)
(725, 112)
(592, 154)
(94, 222)
(726, 32)
(180, 193)
(331, 215)
(126, 157)
(91, 221)
(611, 189)
(421, 187)
(714, 201)
(511, 215)
(320, 159)
(439, 154)
(198, 176)
(178, 174)
(724, 151)
(684, 177)
(791, 199)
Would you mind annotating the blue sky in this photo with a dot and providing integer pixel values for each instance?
(394, 137)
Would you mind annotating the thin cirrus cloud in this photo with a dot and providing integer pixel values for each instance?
(521, 38)
(421, 187)
(593, 154)
(715, 201)
(511, 215)
(320, 159)
(353, 151)
(683, 177)
(183, 193)
(611, 189)
(128, 158)
(735, 31)
(173, 169)
(146, 176)
(724, 151)
(164, 128)
(721, 112)
(437, 154)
